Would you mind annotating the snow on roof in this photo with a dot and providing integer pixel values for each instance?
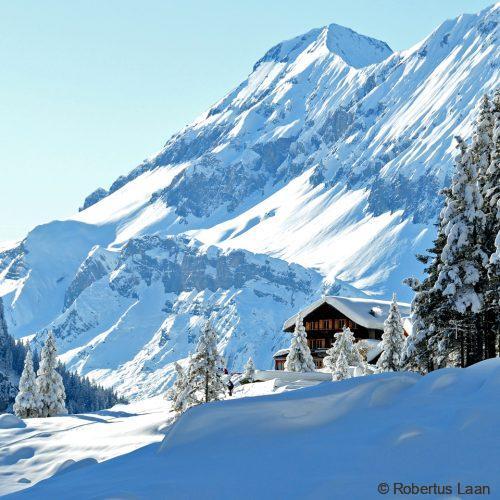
(374, 351)
(370, 313)
(281, 352)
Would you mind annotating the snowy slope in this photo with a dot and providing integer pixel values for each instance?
(333, 440)
(328, 156)
(170, 287)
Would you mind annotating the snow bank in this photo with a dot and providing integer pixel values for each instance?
(9, 421)
(333, 440)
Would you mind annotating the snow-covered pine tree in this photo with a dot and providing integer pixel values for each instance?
(344, 342)
(494, 298)
(49, 382)
(179, 393)
(482, 140)
(421, 347)
(27, 404)
(341, 370)
(249, 371)
(204, 379)
(299, 358)
(393, 340)
(482, 152)
(84, 396)
(463, 264)
(491, 194)
(81, 394)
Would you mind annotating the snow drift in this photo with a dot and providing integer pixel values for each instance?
(334, 440)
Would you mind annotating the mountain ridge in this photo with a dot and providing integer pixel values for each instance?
(309, 164)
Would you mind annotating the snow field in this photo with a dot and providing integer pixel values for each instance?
(331, 440)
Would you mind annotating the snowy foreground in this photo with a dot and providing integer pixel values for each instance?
(329, 440)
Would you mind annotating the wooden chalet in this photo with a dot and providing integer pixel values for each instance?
(329, 315)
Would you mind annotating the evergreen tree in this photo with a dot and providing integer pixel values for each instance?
(491, 194)
(204, 378)
(482, 152)
(463, 264)
(27, 404)
(249, 371)
(494, 298)
(482, 140)
(82, 395)
(344, 342)
(341, 370)
(421, 347)
(393, 340)
(299, 358)
(179, 393)
(49, 382)
(7, 347)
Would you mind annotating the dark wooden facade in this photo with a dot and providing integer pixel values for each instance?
(321, 325)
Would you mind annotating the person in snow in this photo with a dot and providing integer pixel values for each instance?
(230, 387)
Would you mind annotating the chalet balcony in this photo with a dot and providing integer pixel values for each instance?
(329, 325)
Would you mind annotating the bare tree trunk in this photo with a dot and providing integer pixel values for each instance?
(206, 387)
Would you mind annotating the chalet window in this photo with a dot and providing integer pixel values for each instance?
(318, 363)
(317, 343)
(340, 323)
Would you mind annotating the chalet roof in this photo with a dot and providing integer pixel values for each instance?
(281, 352)
(370, 313)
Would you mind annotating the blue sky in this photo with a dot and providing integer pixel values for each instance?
(90, 88)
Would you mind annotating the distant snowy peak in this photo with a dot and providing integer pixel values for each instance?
(356, 50)
(341, 101)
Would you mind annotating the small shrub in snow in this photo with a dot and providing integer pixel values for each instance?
(299, 358)
(341, 371)
(249, 371)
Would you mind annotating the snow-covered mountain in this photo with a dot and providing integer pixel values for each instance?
(328, 157)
